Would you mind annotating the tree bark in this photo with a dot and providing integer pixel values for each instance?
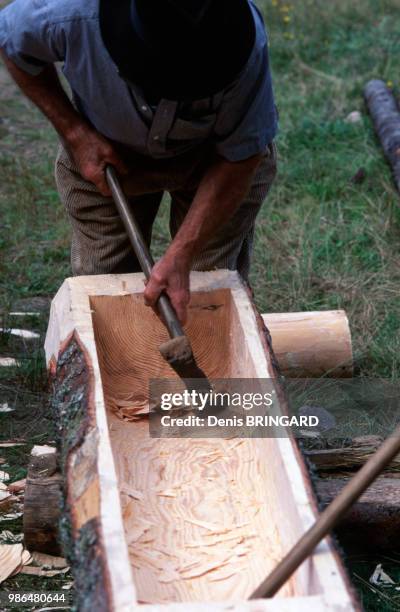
(42, 501)
(374, 521)
(386, 117)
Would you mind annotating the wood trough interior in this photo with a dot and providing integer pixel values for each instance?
(202, 517)
(191, 524)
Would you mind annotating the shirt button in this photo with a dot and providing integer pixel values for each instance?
(156, 138)
(144, 108)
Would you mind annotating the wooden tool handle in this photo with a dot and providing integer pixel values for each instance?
(142, 251)
(330, 516)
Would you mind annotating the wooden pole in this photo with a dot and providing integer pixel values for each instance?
(330, 517)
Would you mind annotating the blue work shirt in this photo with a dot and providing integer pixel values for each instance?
(240, 120)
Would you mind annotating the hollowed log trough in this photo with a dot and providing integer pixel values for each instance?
(174, 524)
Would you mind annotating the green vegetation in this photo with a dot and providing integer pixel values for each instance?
(324, 241)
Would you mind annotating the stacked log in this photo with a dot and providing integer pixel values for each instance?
(42, 503)
(374, 521)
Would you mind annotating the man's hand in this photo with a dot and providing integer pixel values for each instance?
(170, 274)
(220, 193)
(92, 153)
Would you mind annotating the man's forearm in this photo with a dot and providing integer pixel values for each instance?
(221, 191)
(91, 151)
(219, 195)
(46, 93)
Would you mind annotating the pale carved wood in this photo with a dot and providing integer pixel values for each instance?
(181, 522)
(311, 344)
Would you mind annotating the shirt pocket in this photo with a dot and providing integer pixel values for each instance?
(196, 129)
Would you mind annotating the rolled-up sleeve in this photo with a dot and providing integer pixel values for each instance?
(28, 38)
(247, 119)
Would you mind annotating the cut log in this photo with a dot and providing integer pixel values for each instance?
(349, 457)
(386, 117)
(374, 521)
(163, 521)
(42, 501)
(311, 344)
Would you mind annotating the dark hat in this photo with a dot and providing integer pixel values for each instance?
(178, 49)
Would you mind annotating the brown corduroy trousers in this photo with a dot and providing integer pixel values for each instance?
(99, 241)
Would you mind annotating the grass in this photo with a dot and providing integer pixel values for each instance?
(34, 248)
(322, 240)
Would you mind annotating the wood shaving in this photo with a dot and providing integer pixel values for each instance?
(129, 408)
(224, 574)
(381, 578)
(38, 571)
(140, 527)
(149, 558)
(5, 408)
(8, 362)
(25, 314)
(39, 450)
(167, 493)
(17, 486)
(168, 577)
(10, 516)
(26, 557)
(11, 444)
(9, 536)
(127, 490)
(204, 524)
(7, 501)
(231, 528)
(26, 334)
(48, 561)
(10, 559)
(4, 494)
(202, 570)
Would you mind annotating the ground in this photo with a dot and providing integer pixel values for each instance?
(327, 237)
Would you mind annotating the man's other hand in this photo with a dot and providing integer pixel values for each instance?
(171, 275)
(92, 153)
